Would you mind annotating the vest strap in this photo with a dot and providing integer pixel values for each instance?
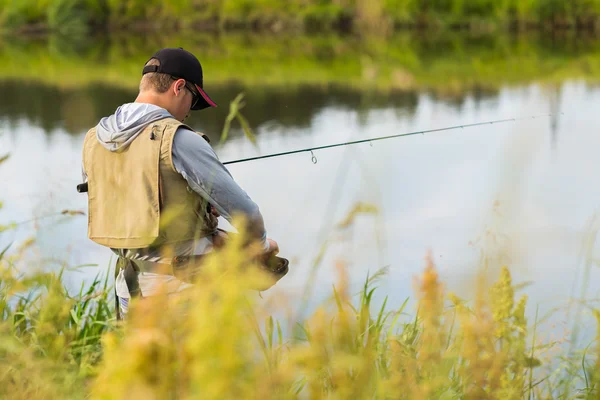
(130, 271)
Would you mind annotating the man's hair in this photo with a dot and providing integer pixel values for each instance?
(155, 81)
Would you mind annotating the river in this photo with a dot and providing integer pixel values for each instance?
(522, 193)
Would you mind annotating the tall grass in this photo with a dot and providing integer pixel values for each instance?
(217, 341)
(49, 339)
(360, 15)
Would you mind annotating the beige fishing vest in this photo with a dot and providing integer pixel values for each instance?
(136, 198)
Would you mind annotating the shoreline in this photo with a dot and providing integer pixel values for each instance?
(513, 28)
(444, 63)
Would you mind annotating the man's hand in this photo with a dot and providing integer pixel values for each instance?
(273, 247)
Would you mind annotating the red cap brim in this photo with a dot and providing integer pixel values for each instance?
(204, 101)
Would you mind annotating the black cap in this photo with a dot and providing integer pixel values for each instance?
(181, 63)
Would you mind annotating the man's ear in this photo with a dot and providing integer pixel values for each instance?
(178, 87)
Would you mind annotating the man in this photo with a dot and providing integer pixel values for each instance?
(156, 187)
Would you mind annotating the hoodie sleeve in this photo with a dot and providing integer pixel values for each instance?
(197, 162)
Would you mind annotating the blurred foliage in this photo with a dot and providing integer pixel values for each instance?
(217, 342)
(50, 340)
(306, 15)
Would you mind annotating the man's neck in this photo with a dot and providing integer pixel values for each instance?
(151, 98)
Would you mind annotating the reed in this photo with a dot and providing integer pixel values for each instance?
(219, 342)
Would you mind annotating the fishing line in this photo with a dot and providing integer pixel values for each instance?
(83, 187)
(371, 140)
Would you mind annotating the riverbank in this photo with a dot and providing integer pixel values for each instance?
(359, 16)
(444, 64)
(289, 76)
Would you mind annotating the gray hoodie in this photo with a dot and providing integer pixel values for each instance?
(117, 131)
(193, 158)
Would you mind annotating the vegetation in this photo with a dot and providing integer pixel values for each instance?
(75, 16)
(217, 343)
(403, 62)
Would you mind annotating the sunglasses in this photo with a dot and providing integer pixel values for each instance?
(195, 96)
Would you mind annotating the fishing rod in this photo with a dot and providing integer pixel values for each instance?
(83, 187)
(329, 146)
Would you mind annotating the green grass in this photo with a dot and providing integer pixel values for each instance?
(219, 343)
(50, 340)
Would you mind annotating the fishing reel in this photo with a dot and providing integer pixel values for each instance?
(82, 187)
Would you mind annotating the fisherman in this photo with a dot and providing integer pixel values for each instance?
(156, 187)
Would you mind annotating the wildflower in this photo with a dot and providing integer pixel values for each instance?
(502, 302)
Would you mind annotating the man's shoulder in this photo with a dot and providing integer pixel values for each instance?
(186, 134)
(90, 134)
(191, 148)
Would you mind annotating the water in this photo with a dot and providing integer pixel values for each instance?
(523, 193)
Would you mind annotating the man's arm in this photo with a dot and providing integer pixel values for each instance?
(197, 162)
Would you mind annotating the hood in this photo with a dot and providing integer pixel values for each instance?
(117, 131)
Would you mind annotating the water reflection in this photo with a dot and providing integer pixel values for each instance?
(435, 191)
(287, 80)
(76, 110)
